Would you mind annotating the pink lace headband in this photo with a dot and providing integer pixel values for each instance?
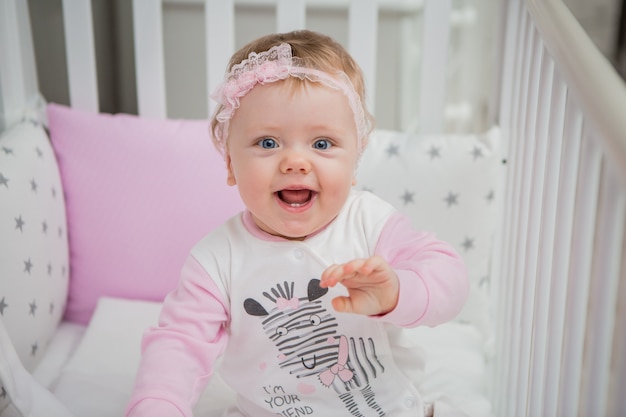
(269, 66)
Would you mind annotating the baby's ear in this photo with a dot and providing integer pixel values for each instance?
(230, 177)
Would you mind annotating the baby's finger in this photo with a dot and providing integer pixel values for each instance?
(342, 304)
(361, 268)
(330, 277)
(376, 263)
(335, 274)
(351, 304)
(352, 267)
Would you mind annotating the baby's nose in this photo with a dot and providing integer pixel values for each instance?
(295, 162)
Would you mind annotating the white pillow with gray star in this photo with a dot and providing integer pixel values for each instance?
(34, 247)
(446, 184)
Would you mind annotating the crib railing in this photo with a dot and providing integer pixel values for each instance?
(220, 34)
(415, 96)
(561, 330)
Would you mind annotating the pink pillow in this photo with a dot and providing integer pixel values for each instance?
(139, 194)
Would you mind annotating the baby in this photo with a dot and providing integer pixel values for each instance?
(303, 294)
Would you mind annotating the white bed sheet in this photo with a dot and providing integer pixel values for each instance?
(59, 351)
(91, 369)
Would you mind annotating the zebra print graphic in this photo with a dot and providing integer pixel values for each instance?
(306, 336)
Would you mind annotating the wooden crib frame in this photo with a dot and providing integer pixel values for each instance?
(559, 275)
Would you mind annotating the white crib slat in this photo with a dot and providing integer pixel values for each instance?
(509, 64)
(290, 15)
(511, 59)
(521, 59)
(520, 223)
(529, 239)
(81, 57)
(362, 42)
(546, 182)
(580, 273)
(617, 399)
(505, 378)
(434, 57)
(31, 84)
(12, 92)
(219, 18)
(604, 290)
(499, 110)
(149, 61)
(570, 155)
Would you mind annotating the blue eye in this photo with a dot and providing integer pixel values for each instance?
(322, 144)
(267, 143)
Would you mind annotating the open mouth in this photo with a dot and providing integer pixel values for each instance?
(296, 198)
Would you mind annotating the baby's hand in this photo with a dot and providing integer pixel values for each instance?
(373, 287)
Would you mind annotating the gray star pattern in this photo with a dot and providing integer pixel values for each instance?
(468, 244)
(38, 192)
(19, 223)
(451, 199)
(477, 153)
(28, 265)
(3, 305)
(434, 152)
(33, 308)
(407, 197)
(3, 393)
(392, 150)
(490, 196)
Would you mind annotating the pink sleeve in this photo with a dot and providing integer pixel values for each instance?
(433, 279)
(178, 356)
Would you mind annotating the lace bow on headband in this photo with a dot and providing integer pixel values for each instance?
(273, 65)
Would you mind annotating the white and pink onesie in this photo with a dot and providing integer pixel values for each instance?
(254, 300)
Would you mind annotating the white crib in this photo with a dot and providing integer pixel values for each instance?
(555, 339)
(561, 257)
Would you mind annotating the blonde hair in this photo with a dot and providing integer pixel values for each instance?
(314, 50)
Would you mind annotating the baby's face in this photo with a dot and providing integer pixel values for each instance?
(292, 152)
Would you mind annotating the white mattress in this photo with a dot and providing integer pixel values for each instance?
(91, 369)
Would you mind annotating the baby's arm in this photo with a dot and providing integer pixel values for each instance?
(178, 356)
(413, 279)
